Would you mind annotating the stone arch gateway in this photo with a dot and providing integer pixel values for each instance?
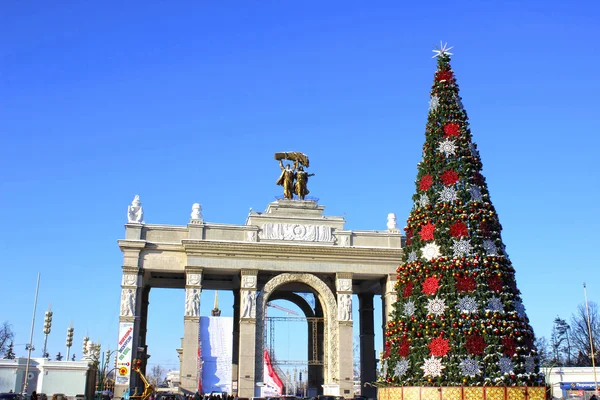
(327, 300)
(289, 245)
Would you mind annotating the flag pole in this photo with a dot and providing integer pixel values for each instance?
(30, 344)
(587, 311)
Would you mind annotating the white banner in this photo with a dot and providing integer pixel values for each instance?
(125, 353)
(216, 335)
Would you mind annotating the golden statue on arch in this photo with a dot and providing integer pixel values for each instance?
(294, 181)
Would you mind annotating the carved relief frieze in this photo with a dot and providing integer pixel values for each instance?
(299, 232)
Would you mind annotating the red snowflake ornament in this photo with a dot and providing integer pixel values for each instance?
(478, 179)
(403, 348)
(451, 129)
(426, 182)
(438, 347)
(449, 177)
(431, 285)
(388, 349)
(475, 344)
(443, 76)
(426, 231)
(485, 229)
(408, 288)
(465, 284)
(409, 235)
(509, 346)
(495, 283)
(459, 229)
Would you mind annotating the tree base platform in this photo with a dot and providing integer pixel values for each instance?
(462, 393)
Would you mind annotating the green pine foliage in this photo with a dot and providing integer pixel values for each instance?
(459, 318)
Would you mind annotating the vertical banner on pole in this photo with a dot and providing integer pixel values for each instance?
(125, 350)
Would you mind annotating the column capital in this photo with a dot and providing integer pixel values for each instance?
(344, 275)
(343, 282)
(249, 272)
(193, 277)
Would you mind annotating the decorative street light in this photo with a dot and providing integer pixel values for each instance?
(103, 368)
(47, 329)
(84, 350)
(69, 339)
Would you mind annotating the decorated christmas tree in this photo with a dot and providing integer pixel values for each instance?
(459, 319)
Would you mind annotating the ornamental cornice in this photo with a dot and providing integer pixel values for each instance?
(286, 251)
(131, 244)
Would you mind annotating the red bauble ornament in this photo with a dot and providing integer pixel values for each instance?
(438, 347)
(426, 231)
(451, 130)
(449, 177)
(431, 285)
(426, 182)
(465, 284)
(408, 288)
(475, 344)
(459, 229)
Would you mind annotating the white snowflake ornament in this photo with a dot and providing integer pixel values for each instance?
(469, 367)
(462, 247)
(467, 304)
(505, 365)
(409, 308)
(434, 103)
(458, 101)
(495, 305)
(436, 306)
(490, 248)
(401, 367)
(475, 193)
(423, 200)
(432, 367)
(448, 147)
(520, 309)
(447, 194)
(431, 251)
(529, 364)
(473, 149)
(412, 257)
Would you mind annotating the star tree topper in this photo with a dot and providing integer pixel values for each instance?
(442, 50)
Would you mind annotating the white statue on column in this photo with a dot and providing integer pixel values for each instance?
(196, 212)
(391, 222)
(192, 302)
(345, 307)
(249, 304)
(135, 213)
(128, 302)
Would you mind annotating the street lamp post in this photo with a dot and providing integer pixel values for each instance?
(47, 329)
(69, 339)
(103, 367)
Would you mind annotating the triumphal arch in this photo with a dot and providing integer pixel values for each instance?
(292, 247)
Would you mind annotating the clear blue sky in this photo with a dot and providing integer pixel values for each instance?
(184, 102)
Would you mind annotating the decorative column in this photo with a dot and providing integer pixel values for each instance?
(247, 335)
(129, 328)
(368, 364)
(191, 365)
(346, 357)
